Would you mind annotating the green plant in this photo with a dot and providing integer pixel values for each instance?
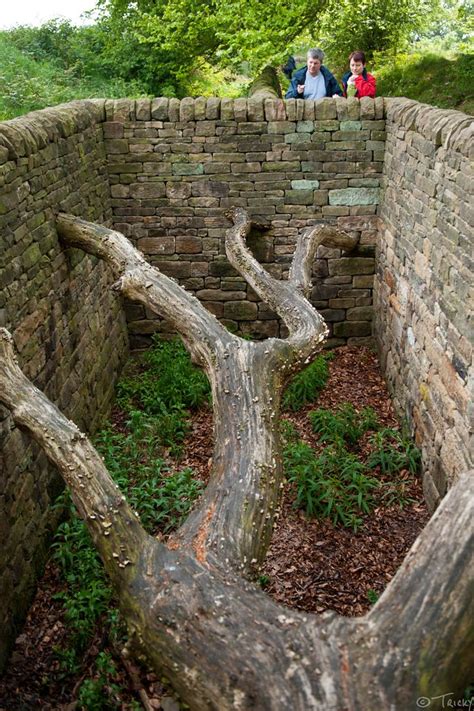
(100, 693)
(263, 581)
(164, 502)
(372, 596)
(288, 432)
(393, 451)
(332, 484)
(169, 382)
(345, 425)
(307, 385)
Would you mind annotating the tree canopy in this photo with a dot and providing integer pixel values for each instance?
(170, 39)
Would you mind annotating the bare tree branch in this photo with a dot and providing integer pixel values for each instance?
(115, 529)
(305, 325)
(141, 282)
(306, 247)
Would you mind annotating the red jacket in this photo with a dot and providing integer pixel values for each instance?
(365, 84)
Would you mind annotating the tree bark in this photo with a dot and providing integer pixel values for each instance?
(189, 605)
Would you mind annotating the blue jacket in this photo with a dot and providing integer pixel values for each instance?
(332, 87)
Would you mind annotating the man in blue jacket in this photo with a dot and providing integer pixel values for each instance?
(313, 81)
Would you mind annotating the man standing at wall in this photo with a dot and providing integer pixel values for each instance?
(314, 81)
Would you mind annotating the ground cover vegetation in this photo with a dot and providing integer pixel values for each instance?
(417, 49)
(343, 462)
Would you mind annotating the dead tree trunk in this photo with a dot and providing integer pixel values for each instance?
(189, 607)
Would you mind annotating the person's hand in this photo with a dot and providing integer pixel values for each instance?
(352, 79)
(300, 88)
(336, 96)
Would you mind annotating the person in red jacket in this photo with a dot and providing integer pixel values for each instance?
(358, 82)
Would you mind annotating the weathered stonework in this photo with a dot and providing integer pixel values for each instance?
(424, 283)
(67, 325)
(165, 172)
(291, 164)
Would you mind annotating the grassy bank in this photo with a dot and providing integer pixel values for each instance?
(443, 80)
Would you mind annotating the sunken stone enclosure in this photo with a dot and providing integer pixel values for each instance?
(394, 173)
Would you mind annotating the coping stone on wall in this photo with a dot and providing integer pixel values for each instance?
(27, 134)
(242, 110)
(448, 128)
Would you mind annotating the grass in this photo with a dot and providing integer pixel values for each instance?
(440, 79)
(27, 84)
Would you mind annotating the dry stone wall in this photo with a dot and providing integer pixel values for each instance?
(424, 283)
(176, 167)
(68, 327)
(165, 172)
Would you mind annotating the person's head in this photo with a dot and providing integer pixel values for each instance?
(314, 59)
(357, 62)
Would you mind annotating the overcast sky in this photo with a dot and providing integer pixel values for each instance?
(35, 12)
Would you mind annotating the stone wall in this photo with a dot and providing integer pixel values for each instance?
(67, 326)
(176, 167)
(165, 172)
(424, 283)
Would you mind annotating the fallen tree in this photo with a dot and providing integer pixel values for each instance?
(189, 604)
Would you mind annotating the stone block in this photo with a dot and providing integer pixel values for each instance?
(304, 184)
(350, 125)
(352, 329)
(240, 310)
(200, 108)
(275, 110)
(188, 169)
(255, 110)
(213, 107)
(156, 245)
(143, 109)
(180, 191)
(367, 108)
(299, 197)
(159, 109)
(143, 191)
(227, 109)
(351, 266)
(354, 196)
(281, 127)
(186, 110)
(188, 245)
(324, 109)
(360, 313)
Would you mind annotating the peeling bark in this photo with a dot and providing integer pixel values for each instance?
(189, 606)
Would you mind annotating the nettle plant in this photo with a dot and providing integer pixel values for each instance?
(337, 482)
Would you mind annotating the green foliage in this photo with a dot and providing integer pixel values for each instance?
(372, 26)
(170, 382)
(97, 694)
(335, 483)
(288, 431)
(345, 425)
(161, 498)
(87, 595)
(436, 78)
(332, 484)
(307, 385)
(372, 596)
(28, 84)
(393, 451)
